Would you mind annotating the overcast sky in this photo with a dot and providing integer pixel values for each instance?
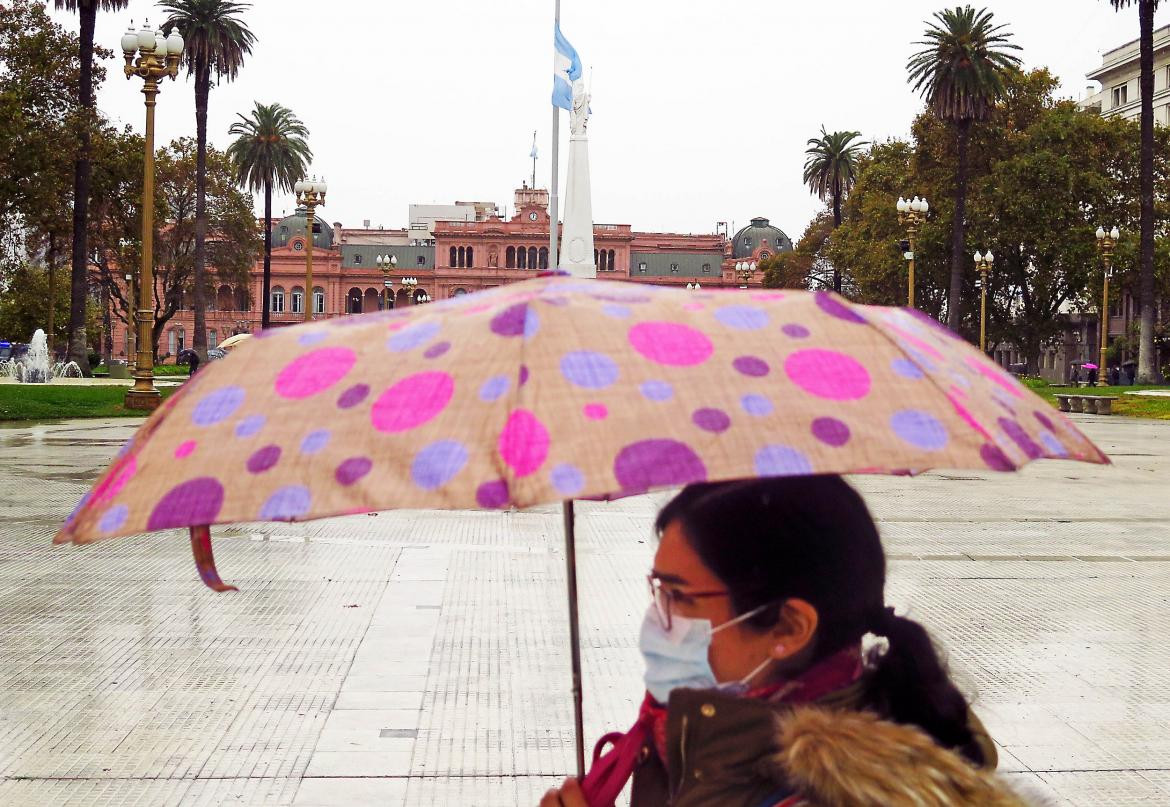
(701, 110)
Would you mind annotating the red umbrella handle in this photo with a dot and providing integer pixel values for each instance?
(205, 560)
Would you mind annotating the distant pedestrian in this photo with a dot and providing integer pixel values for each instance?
(1092, 376)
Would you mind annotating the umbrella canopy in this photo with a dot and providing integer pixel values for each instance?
(234, 341)
(559, 388)
(1089, 366)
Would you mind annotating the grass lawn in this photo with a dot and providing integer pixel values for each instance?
(59, 401)
(1134, 406)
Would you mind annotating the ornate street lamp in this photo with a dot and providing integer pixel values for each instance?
(310, 193)
(984, 264)
(745, 270)
(911, 214)
(693, 286)
(158, 56)
(387, 264)
(1106, 241)
(410, 284)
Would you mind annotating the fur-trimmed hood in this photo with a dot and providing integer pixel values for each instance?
(839, 757)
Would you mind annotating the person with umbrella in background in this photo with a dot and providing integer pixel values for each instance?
(761, 687)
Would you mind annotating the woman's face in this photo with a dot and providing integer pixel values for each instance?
(737, 649)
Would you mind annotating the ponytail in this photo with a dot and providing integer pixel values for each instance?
(915, 688)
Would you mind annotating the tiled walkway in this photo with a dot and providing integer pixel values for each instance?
(421, 657)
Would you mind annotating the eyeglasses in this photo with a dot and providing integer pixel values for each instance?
(663, 599)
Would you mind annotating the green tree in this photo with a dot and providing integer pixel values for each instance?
(79, 289)
(22, 306)
(830, 169)
(960, 72)
(806, 266)
(270, 150)
(1148, 371)
(217, 41)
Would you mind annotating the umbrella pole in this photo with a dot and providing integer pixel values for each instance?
(574, 632)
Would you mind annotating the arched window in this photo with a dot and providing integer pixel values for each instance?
(172, 342)
(298, 300)
(224, 299)
(532, 259)
(596, 257)
(510, 258)
(371, 301)
(521, 258)
(241, 299)
(211, 338)
(461, 256)
(277, 303)
(609, 261)
(470, 257)
(318, 300)
(454, 255)
(354, 301)
(544, 258)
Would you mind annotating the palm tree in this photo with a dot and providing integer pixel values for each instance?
(960, 72)
(1147, 370)
(830, 169)
(217, 41)
(270, 150)
(79, 287)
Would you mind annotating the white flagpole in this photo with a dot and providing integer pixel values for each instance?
(553, 262)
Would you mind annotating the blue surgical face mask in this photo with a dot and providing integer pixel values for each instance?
(678, 658)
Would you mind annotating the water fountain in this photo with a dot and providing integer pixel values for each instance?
(35, 368)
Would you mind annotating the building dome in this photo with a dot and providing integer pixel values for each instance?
(760, 236)
(290, 227)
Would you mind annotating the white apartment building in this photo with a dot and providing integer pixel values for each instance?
(1118, 93)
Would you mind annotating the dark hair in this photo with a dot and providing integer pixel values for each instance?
(813, 538)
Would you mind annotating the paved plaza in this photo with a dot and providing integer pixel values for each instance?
(422, 657)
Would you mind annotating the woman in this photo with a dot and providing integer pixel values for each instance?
(759, 692)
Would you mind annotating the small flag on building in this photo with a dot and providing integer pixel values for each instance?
(566, 70)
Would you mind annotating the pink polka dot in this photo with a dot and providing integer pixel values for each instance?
(184, 449)
(828, 374)
(596, 411)
(314, 372)
(996, 376)
(670, 343)
(120, 473)
(524, 442)
(693, 306)
(412, 402)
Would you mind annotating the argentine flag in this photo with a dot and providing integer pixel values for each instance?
(566, 70)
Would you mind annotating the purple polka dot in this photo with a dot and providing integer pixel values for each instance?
(312, 338)
(657, 390)
(711, 420)
(414, 335)
(742, 317)
(567, 479)
(286, 504)
(493, 388)
(906, 368)
(492, 495)
(263, 459)
(516, 320)
(437, 464)
(1021, 438)
(589, 369)
(756, 405)
(114, 518)
(835, 308)
(995, 459)
(657, 463)
(352, 469)
(616, 311)
(250, 425)
(795, 331)
(353, 396)
(315, 441)
(1045, 421)
(778, 460)
(188, 504)
(217, 406)
(830, 431)
(523, 374)
(436, 350)
(919, 429)
(751, 366)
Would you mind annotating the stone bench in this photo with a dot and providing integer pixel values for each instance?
(1089, 404)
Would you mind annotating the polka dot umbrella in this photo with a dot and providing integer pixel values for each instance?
(560, 388)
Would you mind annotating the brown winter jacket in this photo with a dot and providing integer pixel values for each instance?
(734, 752)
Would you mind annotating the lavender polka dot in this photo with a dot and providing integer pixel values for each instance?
(919, 429)
(436, 350)
(77, 508)
(286, 504)
(657, 463)
(217, 406)
(315, 441)
(742, 317)
(312, 338)
(1053, 446)
(795, 331)
(756, 405)
(835, 308)
(780, 460)
(353, 396)
(567, 479)
(493, 388)
(589, 369)
(194, 502)
(711, 420)
(114, 518)
(414, 335)
(250, 425)
(492, 495)
(906, 369)
(751, 366)
(263, 459)
(830, 431)
(352, 469)
(616, 311)
(657, 390)
(435, 465)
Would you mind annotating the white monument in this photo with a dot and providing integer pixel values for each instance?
(577, 239)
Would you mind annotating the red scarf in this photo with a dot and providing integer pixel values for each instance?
(610, 772)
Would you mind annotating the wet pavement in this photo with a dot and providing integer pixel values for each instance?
(421, 657)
